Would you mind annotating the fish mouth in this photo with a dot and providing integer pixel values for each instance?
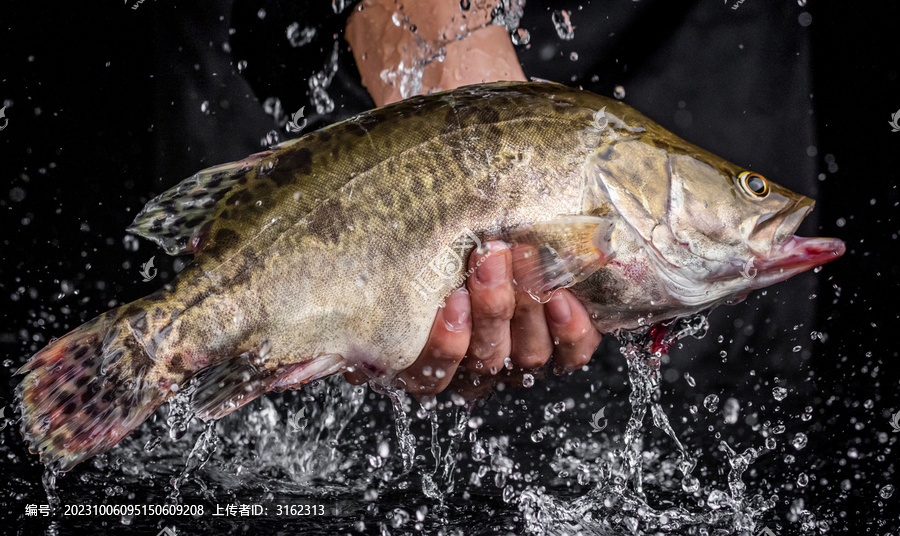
(797, 254)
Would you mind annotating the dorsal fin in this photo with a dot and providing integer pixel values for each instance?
(176, 219)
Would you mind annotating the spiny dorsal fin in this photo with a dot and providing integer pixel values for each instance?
(176, 218)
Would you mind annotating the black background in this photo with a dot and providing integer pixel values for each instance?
(104, 112)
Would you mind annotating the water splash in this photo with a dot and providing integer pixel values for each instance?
(619, 500)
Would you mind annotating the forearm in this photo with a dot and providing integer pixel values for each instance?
(484, 54)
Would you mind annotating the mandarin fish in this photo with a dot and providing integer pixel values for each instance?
(334, 251)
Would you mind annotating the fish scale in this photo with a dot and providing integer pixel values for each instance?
(334, 251)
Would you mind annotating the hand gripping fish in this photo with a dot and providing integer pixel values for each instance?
(334, 251)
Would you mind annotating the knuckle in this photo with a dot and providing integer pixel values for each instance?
(531, 360)
(497, 309)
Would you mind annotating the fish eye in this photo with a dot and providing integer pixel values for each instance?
(754, 183)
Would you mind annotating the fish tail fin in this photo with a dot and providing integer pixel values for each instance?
(85, 391)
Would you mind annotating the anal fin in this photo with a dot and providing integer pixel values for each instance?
(226, 387)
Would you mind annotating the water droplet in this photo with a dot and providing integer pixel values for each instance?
(563, 24)
(690, 484)
(799, 441)
(690, 380)
(780, 393)
(384, 449)
(886, 491)
(802, 480)
(520, 37)
(527, 380)
(241, 65)
(299, 37)
(399, 517)
(537, 436)
(771, 443)
(573, 56)
(619, 92)
(805, 19)
(731, 409)
(711, 402)
(204, 107)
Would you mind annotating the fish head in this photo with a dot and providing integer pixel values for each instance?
(712, 230)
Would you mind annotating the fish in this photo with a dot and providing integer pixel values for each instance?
(333, 251)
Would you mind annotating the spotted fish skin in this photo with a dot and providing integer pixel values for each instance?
(335, 250)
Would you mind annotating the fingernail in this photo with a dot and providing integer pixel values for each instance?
(491, 267)
(456, 310)
(559, 310)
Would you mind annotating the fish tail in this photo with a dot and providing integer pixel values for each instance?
(85, 391)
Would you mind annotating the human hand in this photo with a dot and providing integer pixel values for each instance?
(490, 319)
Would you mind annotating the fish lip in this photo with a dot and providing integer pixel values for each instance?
(798, 254)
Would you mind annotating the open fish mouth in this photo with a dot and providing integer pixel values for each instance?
(797, 254)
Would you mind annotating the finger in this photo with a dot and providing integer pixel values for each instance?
(574, 337)
(531, 342)
(446, 346)
(493, 304)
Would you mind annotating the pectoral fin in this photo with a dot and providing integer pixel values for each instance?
(559, 253)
